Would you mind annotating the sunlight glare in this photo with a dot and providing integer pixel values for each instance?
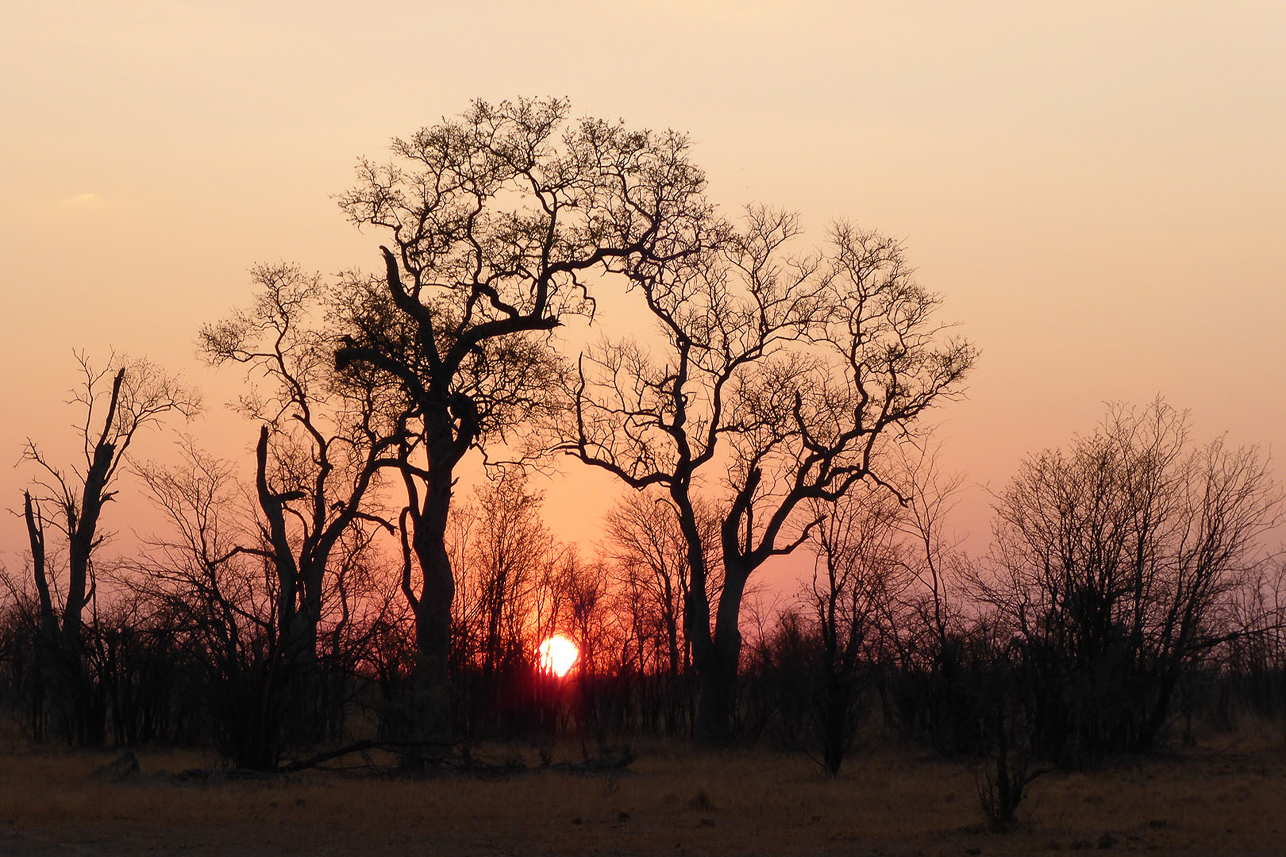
(557, 655)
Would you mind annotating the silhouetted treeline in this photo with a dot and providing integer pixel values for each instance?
(1111, 616)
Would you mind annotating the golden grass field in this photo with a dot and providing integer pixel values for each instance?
(1228, 799)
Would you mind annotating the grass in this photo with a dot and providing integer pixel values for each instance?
(673, 800)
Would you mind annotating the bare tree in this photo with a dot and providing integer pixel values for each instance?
(511, 545)
(322, 440)
(784, 373)
(508, 593)
(858, 574)
(591, 621)
(496, 220)
(1257, 655)
(1117, 563)
(117, 402)
(935, 643)
(214, 579)
(649, 557)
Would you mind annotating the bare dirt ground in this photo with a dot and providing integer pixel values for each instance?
(673, 801)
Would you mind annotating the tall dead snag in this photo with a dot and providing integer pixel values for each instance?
(779, 374)
(71, 502)
(497, 221)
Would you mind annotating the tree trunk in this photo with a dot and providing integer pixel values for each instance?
(430, 708)
(49, 680)
(835, 725)
(717, 662)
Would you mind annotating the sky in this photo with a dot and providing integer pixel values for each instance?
(1096, 189)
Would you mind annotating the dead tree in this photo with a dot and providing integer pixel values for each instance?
(116, 402)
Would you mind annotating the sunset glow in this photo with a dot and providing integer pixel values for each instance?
(889, 397)
(558, 655)
(1073, 179)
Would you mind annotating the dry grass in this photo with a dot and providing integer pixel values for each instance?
(672, 801)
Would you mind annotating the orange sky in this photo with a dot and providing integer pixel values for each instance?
(1098, 189)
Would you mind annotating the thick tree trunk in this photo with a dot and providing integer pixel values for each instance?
(430, 708)
(711, 705)
(280, 696)
(430, 725)
(717, 664)
(716, 702)
(834, 725)
(82, 531)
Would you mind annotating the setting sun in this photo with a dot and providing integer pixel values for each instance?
(557, 655)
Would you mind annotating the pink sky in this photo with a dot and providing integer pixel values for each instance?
(1098, 189)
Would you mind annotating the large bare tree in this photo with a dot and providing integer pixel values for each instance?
(497, 222)
(773, 378)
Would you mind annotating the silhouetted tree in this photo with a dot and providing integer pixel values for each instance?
(780, 374)
(211, 582)
(117, 401)
(497, 219)
(511, 544)
(858, 573)
(1256, 657)
(936, 645)
(508, 592)
(213, 577)
(322, 439)
(649, 558)
(1115, 563)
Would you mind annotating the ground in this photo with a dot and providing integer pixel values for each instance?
(1225, 800)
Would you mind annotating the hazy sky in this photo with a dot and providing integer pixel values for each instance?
(1098, 189)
